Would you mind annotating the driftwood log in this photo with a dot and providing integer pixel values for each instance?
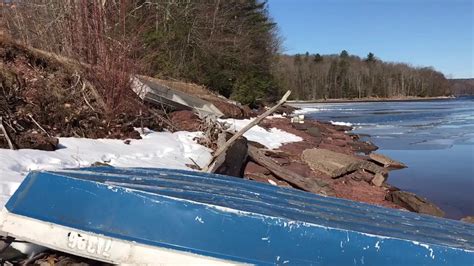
(39, 126)
(163, 119)
(5, 134)
(232, 161)
(308, 184)
(241, 132)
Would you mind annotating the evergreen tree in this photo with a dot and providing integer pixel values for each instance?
(318, 58)
(370, 58)
(230, 51)
(306, 56)
(344, 54)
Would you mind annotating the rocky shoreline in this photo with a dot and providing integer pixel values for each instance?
(49, 106)
(329, 160)
(363, 173)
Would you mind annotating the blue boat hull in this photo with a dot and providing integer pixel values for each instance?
(235, 220)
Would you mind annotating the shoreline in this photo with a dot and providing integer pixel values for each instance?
(362, 184)
(369, 100)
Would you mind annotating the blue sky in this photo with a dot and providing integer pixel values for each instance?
(436, 33)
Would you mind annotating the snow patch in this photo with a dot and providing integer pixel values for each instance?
(155, 149)
(307, 110)
(272, 182)
(272, 138)
(277, 116)
(341, 123)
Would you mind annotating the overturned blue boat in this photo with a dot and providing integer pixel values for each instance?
(160, 216)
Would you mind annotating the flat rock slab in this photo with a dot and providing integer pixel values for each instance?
(336, 164)
(378, 180)
(414, 203)
(363, 146)
(314, 131)
(331, 163)
(386, 161)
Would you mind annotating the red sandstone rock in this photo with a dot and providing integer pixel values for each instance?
(185, 120)
(256, 169)
(345, 187)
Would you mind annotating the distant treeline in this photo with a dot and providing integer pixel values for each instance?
(462, 86)
(347, 76)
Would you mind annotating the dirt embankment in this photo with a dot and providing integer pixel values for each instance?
(43, 96)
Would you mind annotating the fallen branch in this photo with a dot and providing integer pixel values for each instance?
(257, 120)
(5, 134)
(310, 184)
(163, 119)
(195, 163)
(154, 113)
(98, 99)
(84, 96)
(40, 127)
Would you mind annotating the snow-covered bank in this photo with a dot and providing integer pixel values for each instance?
(156, 149)
(272, 138)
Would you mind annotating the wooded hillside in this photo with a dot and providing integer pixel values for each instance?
(349, 76)
(230, 46)
(462, 86)
(225, 45)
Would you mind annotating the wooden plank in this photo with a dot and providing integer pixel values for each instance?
(308, 184)
(247, 128)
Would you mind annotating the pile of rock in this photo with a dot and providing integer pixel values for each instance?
(328, 162)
